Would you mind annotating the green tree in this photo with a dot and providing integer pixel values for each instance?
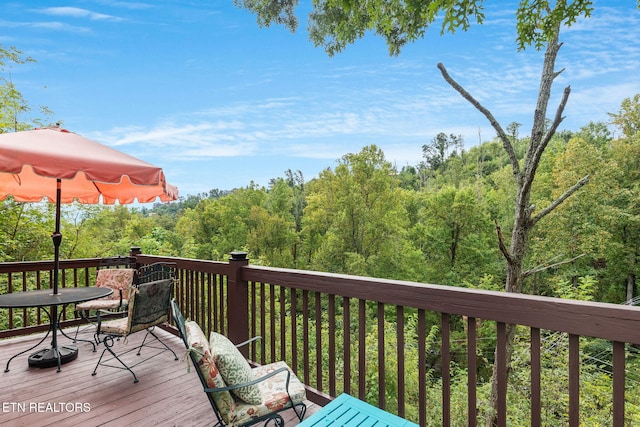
(271, 227)
(435, 153)
(335, 24)
(354, 219)
(628, 118)
(455, 235)
(13, 106)
(621, 214)
(25, 231)
(218, 226)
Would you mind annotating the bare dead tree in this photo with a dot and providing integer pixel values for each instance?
(524, 176)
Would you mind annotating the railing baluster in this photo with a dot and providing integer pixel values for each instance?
(381, 358)
(211, 308)
(346, 316)
(362, 349)
(422, 367)
(222, 290)
(283, 325)
(254, 320)
(38, 286)
(263, 326)
(203, 314)
(25, 312)
(187, 295)
(215, 283)
(294, 329)
(446, 370)
(401, 357)
(272, 323)
(319, 347)
(574, 380)
(471, 372)
(618, 383)
(305, 337)
(332, 343)
(10, 290)
(501, 362)
(536, 410)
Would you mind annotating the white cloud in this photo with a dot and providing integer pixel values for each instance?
(76, 12)
(52, 25)
(127, 5)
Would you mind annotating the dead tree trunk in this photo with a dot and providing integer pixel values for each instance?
(525, 218)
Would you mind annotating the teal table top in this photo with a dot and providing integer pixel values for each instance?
(346, 410)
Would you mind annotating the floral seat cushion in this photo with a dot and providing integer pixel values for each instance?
(118, 279)
(102, 304)
(199, 348)
(115, 327)
(274, 393)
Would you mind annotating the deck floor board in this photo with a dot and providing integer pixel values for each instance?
(167, 394)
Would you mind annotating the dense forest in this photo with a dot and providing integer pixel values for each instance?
(435, 221)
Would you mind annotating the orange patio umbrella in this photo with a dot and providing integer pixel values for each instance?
(63, 167)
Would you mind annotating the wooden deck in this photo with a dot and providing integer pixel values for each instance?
(166, 395)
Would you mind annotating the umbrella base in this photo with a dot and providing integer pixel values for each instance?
(48, 358)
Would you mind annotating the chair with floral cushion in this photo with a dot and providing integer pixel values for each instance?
(118, 279)
(117, 273)
(149, 305)
(240, 395)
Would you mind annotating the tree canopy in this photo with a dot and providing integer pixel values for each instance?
(335, 24)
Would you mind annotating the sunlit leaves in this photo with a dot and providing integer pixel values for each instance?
(628, 118)
(537, 20)
(272, 11)
(335, 24)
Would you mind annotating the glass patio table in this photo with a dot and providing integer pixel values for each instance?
(55, 355)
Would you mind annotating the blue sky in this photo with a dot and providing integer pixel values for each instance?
(197, 88)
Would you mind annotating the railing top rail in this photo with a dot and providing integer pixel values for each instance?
(20, 266)
(205, 266)
(601, 320)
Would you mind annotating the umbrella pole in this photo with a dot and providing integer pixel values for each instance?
(54, 356)
(57, 239)
(54, 353)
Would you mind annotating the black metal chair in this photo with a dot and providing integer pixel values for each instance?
(118, 279)
(156, 271)
(149, 305)
(278, 388)
(119, 274)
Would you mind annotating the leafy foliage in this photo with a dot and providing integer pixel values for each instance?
(335, 24)
(13, 106)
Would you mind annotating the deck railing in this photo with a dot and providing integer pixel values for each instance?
(392, 343)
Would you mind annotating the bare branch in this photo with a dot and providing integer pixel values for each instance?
(548, 266)
(506, 143)
(554, 125)
(503, 248)
(544, 94)
(557, 73)
(559, 200)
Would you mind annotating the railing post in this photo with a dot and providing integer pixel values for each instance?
(238, 301)
(134, 252)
